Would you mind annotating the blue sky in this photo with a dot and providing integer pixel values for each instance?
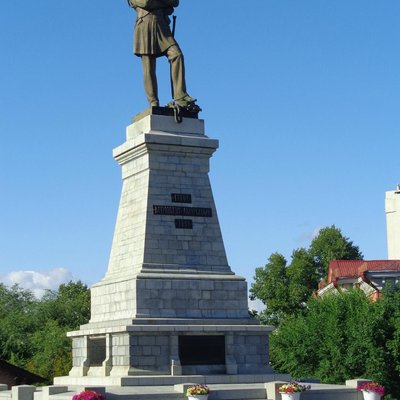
(303, 95)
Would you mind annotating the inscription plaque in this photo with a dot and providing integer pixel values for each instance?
(182, 211)
(202, 350)
(183, 224)
(181, 198)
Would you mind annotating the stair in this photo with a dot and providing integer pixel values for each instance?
(226, 391)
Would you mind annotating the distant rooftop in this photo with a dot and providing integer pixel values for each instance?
(357, 268)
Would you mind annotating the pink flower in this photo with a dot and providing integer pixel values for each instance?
(89, 395)
(372, 387)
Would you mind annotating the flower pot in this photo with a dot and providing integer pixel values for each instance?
(198, 397)
(368, 395)
(291, 396)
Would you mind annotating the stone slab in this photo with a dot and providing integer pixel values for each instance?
(317, 392)
(164, 141)
(211, 328)
(147, 381)
(165, 124)
(170, 321)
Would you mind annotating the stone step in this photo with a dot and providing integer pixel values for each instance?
(167, 380)
(249, 391)
(222, 394)
(225, 391)
(202, 379)
(133, 394)
(332, 394)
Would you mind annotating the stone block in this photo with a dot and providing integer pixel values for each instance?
(149, 361)
(272, 390)
(354, 383)
(48, 391)
(253, 340)
(147, 340)
(155, 351)
(137, 351)
(165, 351)
(146, 351)
(23, 392)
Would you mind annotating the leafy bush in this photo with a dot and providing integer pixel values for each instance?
(341, 337)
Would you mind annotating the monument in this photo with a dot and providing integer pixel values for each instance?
(169, 305)
(169, 311)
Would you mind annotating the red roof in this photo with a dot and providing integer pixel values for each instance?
(357, 268)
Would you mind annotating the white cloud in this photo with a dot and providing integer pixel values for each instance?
(308, 236)
(257, 305)
(38, 282)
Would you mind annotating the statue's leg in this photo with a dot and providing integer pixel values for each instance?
(177, 63)
(150, 79)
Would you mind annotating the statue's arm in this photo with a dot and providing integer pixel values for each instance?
(139, 3)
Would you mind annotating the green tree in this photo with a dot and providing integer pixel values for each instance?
(330, 244)
(16, 307)
(284, 289)
(33, 331)
(52, 352)
(270, 286)
(69, 305)
(58, 312)
(302, 279)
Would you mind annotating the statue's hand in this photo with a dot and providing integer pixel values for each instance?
(171, 3)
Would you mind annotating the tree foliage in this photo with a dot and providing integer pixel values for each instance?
(330, 244)
(340, 337)
(284, 289)
(16, 307)
(33, 331)
(302, 278)
(270, 286)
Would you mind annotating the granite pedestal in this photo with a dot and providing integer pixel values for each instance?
(169, 304)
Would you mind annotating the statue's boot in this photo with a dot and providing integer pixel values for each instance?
(186, 101)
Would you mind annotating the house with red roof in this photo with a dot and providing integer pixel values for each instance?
(370, 276)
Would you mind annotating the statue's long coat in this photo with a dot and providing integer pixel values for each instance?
(152, 35)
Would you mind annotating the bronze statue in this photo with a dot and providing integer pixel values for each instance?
(153, 38)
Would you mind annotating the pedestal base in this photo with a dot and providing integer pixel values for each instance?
(169, 304)
(174, 347)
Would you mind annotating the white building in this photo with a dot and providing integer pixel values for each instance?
(392, 208)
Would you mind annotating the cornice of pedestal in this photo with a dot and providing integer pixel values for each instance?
(160, 133)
